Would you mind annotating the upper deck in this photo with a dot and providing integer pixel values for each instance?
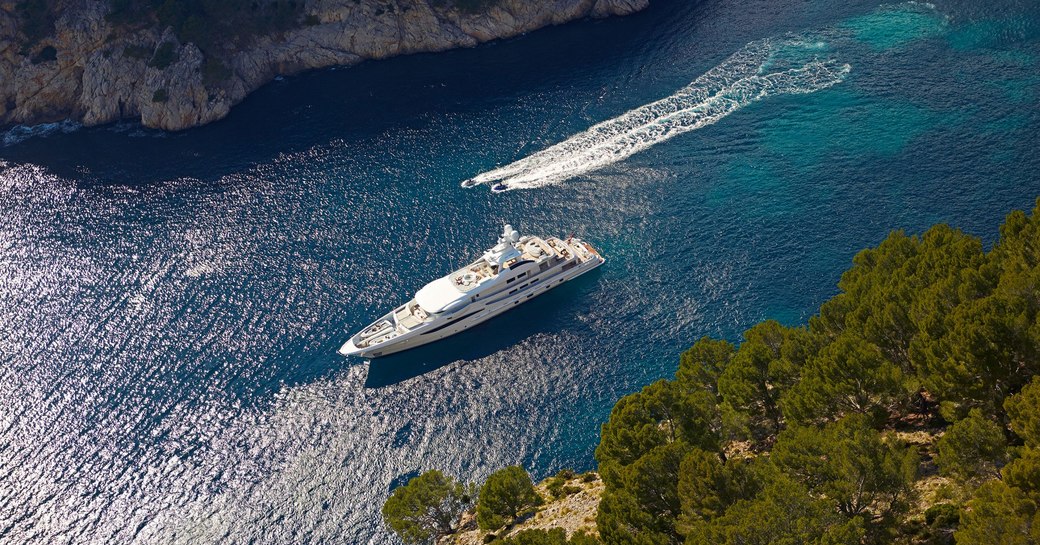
(527, 249)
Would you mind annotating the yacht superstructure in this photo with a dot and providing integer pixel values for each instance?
(512, 272)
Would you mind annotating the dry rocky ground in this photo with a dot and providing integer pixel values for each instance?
(573, 512)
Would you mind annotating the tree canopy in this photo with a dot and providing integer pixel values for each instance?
(972, 449)
(506, 495)
(1007, 509)
(426, 507)
(791, 437)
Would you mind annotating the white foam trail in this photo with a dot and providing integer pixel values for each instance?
(758, 70)
(21, 133)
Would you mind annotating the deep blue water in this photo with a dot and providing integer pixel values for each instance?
(170, 304)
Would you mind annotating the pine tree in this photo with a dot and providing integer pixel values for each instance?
(747, 383)
(426, 507)
(849, 376)
(999, 514)
(785, 513)
(850, 464)
(507, 494)
(1024, 411)
(972, 449)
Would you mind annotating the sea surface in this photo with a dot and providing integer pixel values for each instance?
(171, 303)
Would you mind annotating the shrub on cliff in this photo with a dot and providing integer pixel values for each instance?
(165, 55)
(214, 71)
(466, 6)
(507, 494)
(426, 507)
(210, 24)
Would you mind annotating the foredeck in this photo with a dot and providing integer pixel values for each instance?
(411, 315)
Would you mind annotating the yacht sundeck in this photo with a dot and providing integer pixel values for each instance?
(514, 271)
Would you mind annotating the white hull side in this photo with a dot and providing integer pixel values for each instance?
(419, 338)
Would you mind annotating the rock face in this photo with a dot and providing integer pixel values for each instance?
(95, 72)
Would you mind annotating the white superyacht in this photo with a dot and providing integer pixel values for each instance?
(514, 271)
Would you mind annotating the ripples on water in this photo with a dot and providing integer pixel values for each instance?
(170, 304)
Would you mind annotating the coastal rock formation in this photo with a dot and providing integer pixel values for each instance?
(93, 71)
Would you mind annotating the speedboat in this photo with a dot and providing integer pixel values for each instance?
(512, 272)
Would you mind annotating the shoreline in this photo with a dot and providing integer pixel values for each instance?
(97, 73)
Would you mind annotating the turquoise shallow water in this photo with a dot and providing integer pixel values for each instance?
(170, 304)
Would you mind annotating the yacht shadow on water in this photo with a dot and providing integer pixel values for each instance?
(553, 310)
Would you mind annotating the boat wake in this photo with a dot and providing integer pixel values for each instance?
(760, 69)
(21, 133)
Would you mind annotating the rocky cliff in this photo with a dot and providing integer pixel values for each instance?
(94, 71)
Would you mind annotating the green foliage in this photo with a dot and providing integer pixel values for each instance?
(798, 410)
(507, 494)
(583, 538)
(848, 376)
(784, 514)
(555, 487)
(987, 346)
(555, 536)
(467, 6)
(565, 474)
(942, 514)
(701, 365)
(559, 489)
(850, 464)
(165, 55)
(212, 25)
(972, 449)
(646, 500)
(1007, 511)
(999, 514)
(660, 414)
(749, 383)
(214, 71)
(1023, 473)
(1024, 411)
(621, 520)
(426, 507)
(160, 95)
(708, 486)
